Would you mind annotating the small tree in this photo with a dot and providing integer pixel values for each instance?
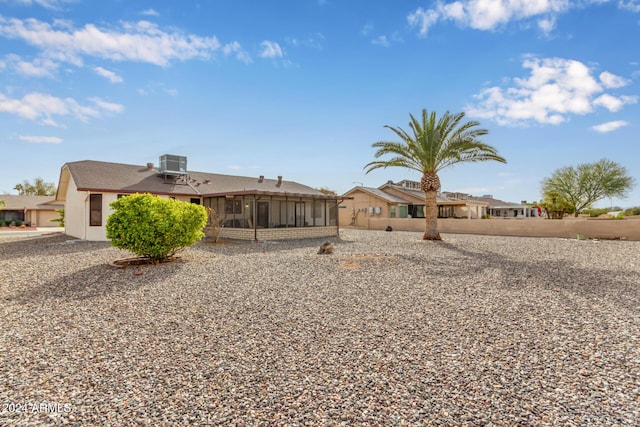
(153, 227)
(60, 219)
(214, 224)
(582, 186)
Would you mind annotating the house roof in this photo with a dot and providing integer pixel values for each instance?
(14, 203)
(389, 198)
(91, 175)
(418, 194)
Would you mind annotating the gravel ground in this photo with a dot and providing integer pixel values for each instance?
(388, 330)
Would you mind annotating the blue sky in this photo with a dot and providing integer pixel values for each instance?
(302, 88)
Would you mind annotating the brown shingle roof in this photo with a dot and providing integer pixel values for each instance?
(90, 175)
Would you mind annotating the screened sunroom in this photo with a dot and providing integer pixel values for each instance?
(269, 216)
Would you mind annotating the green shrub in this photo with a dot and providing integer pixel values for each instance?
(153, 227)
(60, 219)
(632, 211)
(17, 222)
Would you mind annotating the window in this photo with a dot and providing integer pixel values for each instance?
(393, 212)
(195, 200)
(232, 206)
(95, 210)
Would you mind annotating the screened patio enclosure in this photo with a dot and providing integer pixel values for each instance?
(260, 212)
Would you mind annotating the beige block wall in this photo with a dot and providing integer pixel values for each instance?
(534, 227)
(278, 233)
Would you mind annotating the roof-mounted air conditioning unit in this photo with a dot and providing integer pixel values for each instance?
(171, 165)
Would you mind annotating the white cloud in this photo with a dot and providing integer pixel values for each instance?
(613, 103)
(107, 106)
(555, 89)
(381, 41)
(140, 41)
(609, 126)
(547, 25)
(49, 4)
(313, 41)
(39, 67)
(271, 50)
(108, 74)
(154, 88)
(236, 49)
(487, 15)
(150, 12)
(40, 139)
(43, 108)
(610, 80)
(632, 5)
(423, 19)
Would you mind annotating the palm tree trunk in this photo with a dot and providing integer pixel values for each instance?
(431, 216)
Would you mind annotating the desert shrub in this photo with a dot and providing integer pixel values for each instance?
(60, 219)
(632, 211)
(596, 212)
(153, 227)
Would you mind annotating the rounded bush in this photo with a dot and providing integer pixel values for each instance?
(153, 227)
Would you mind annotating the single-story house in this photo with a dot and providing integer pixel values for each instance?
(30, 210)
(253, 208)
(402, 200)
(501, 209)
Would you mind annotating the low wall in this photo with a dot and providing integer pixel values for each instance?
(628, 228)
(278, 233)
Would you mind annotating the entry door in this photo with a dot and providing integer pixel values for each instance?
(263, 214)
(299, 214)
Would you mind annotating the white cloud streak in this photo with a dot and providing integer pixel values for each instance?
(150, 12)
(555, 89)
(48, 4)
(108, 74)
(609, 126)
(141, 41)
(107, 106)
(32, 139)
(43, 108)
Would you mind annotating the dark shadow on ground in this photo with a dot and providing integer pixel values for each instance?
(96, 281)
(235, 247)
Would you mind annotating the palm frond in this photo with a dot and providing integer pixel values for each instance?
(434, 144)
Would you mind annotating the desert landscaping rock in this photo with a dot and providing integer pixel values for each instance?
(388, 330)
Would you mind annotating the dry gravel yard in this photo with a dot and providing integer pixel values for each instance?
(389, 330)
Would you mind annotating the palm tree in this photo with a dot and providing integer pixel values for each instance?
(434, 145)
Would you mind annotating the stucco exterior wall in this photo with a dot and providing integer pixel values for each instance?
(74, 212)
(363, 201)
(534, 227)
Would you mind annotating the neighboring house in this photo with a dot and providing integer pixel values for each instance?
(253, 208)
(31, 210)
(501, 209)
(402, 200)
